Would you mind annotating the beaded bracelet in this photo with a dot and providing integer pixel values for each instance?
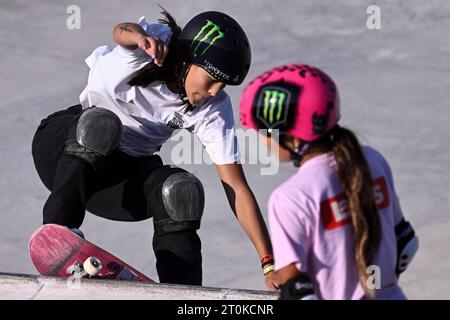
(271, 261)
(266, 257)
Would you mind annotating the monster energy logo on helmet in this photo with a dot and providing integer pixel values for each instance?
(273, 103)
(208, 30)
(216, 42)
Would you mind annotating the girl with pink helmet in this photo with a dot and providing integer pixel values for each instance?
(337, 228)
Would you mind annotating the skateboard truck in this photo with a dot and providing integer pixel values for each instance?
(91, 267)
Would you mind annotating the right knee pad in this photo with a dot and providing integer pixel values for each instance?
(99, 130)
(98, 133)
(176, 199)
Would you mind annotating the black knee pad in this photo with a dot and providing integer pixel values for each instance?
(100, 130)
(98, 133)
(175, 198)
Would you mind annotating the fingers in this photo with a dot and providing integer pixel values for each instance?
(271, 282)
(272, 287)
(152, 47)
(156, 49)
(165, 51)
(142, 42)
(159, 54)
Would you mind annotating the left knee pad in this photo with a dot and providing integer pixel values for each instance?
(176, 199)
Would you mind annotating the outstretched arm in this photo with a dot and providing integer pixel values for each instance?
(131, 35)
(244, 205)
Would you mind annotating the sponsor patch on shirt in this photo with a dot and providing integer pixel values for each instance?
(335, 211)
(176, 122)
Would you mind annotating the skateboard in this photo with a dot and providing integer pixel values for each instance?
(57, 251)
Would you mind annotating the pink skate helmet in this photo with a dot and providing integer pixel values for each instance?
(299, 100)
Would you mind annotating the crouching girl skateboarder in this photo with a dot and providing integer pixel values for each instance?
(100, 155)
(338, 215)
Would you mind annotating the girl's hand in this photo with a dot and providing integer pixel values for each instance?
(271, 282)
(154, 47)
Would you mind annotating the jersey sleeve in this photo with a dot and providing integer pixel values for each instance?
(159, 30)
(217, 132)
(290, 231)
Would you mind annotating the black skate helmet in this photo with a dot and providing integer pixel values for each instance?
(217, 43)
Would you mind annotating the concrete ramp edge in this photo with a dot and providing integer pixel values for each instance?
(32, 287)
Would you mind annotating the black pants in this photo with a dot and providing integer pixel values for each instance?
(114, 190)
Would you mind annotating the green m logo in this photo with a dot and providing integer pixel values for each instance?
(209, 30)
(273, 102)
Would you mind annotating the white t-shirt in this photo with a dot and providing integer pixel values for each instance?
(150, 115)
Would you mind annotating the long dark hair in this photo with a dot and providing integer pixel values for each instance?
(356, 179)
(175, 57)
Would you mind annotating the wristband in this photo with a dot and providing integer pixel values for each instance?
(271, 261)
(269, 269)
(266, 257)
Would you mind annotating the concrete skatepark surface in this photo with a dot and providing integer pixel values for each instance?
(394, 92)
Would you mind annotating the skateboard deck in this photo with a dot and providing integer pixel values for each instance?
(57, 251)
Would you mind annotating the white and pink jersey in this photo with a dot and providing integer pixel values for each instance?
(310, 225)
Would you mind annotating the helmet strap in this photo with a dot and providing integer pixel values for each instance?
(296, 158)
(181, 79)
(297, 153)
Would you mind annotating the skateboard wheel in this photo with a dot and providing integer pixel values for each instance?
(92, 266)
